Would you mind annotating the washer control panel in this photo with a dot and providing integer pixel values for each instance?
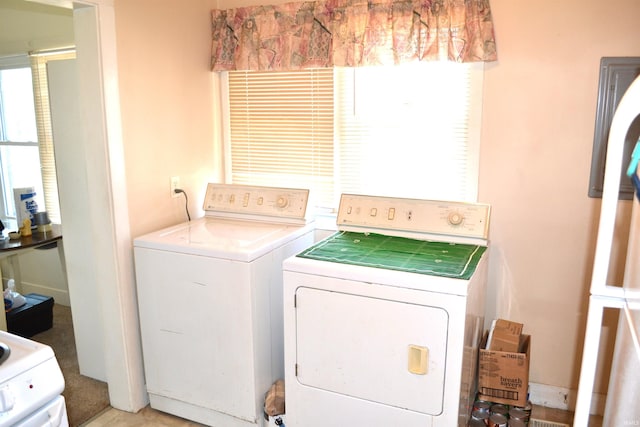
(256, 201)
(408, 216)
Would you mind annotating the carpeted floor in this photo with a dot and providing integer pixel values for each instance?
(84, 396)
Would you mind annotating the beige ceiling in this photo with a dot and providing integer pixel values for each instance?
(26, 26)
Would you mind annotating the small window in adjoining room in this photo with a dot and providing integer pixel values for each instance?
(409, 130)
(26, 141)
(19, 157)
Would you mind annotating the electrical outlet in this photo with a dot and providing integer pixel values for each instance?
(175, 184)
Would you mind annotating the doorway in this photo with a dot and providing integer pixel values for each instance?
(112, 289)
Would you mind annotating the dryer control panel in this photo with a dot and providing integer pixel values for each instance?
(413, 217)
(256, 201)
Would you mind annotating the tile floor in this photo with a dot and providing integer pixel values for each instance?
(149, 417)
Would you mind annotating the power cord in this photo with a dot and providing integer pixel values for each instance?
(186, 201)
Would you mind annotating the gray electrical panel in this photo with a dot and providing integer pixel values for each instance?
(616, 75)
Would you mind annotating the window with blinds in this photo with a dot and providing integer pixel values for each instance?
(403, 131)
(281, 130)
(45, 131)
(26, 143)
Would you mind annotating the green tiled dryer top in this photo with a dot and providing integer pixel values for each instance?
(398, 253)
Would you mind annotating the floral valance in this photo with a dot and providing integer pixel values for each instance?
(351, 33)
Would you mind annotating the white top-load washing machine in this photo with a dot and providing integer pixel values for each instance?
(210, 303)
(384, 318)
(31, 384)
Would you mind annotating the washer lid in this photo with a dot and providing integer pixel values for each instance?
(231, 239)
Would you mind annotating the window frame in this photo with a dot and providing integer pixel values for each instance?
(11, 63)
(48, 187)
(39, 61)
(476, 76)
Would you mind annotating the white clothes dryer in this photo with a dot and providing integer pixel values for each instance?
(210, 303)
(384, 318)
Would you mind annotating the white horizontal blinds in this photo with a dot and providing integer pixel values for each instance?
(281, 130)
(408, 131)
(45, 132)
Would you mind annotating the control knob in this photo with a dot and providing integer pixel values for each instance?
(282, 202)
(7, 400)
(455, 218)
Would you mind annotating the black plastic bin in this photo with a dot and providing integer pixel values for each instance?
(33, 317)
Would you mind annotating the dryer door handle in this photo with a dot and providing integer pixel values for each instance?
(418, 359)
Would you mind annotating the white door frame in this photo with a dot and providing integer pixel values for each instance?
(109, 234)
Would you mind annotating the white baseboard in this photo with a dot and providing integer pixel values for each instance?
(59, 296)
(562, 398)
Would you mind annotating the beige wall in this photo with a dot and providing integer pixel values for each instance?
(539, 109)
(28, 26)
(42, 272)
(166, 90)
(537, 135)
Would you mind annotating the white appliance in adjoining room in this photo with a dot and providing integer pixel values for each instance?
(31, 384)
(624, 384)
(210, 303)
(383, 319)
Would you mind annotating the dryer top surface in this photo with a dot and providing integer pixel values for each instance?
(443, 259)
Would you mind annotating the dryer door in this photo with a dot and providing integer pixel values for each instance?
(388, 352)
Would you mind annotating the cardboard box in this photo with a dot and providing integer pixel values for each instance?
(503, 376)
(506, 336)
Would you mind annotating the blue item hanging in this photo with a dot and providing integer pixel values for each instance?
(632, 170)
